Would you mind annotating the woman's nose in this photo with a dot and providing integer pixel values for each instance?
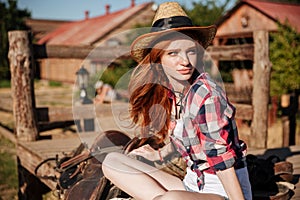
(184, 59)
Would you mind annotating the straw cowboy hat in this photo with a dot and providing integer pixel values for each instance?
(170, 17)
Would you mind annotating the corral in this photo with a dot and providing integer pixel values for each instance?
(32, 150)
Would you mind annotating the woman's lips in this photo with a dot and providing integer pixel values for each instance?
(184, 71)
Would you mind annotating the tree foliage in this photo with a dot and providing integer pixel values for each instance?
(285, 58)
(11, 18)
(211, 11)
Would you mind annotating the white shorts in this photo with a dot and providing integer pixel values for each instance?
(213, 184)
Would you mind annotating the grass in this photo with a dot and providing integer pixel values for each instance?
(55, 84)
(5, 84)
(8, 169)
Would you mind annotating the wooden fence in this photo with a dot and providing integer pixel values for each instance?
(20, 56)
(27, 116)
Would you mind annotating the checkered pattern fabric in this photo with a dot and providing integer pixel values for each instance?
(210, 139)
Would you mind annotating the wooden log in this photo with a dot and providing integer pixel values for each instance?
(80, 52)
(30, 186)
(21, 67)
(244, 111)
(261, 88)
(220, 53)
(30, 160)
(285, 131)
(59, 114)
(54, 114)
(231, 52)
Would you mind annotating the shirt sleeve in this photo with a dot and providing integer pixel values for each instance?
(211, 122)
(215, 133)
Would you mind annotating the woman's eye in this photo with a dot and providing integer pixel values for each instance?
(173, 53)
(192, 51)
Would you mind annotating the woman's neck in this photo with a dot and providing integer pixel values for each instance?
(179, 86)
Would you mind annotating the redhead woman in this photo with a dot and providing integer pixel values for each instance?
(174, 99)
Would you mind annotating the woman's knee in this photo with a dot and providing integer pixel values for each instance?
(112, 159)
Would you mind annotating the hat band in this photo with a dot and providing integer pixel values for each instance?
(171, 22)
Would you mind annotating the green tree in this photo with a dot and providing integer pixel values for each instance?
(11, 18)
(285, 58)
(211, 11)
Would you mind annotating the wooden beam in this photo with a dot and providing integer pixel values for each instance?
(261, 88)
(80, 52)
(21, 68)
(60, 114)
(231, 52)
(243, 111)
(32, 154)
(29, 160)
(54, 114)
(6, 104)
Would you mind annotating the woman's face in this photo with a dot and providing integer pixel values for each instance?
(179, 59)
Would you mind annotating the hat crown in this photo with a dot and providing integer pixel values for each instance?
(170, 17)
(168, 10)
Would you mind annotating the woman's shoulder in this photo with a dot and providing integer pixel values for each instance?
(203, 89)
(202, 85)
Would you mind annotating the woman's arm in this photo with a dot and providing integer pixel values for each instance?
(151, 154)
(213, 121)
(230, 183)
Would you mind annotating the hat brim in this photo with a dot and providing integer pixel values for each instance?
(141, 44)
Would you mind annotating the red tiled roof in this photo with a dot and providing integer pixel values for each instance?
(274, 10)
(279, 11)
(88, 31)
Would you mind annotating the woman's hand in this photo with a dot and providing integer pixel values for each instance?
(147, 152)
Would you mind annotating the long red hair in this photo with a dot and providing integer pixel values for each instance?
(149, 96)
(149, 91)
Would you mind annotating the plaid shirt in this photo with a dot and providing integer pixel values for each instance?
(209, 139)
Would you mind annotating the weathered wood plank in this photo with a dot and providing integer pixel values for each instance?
(260, 92)
(31, 154)
(56, 114)
(6, 105)
(21, 64)
(231, 52)
(8, 134)
(243, 111)
(30, 161)
(81, 52)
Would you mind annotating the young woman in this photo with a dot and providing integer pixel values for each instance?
(175, 100)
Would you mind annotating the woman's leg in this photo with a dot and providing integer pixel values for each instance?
(138, 179)
(179, 195)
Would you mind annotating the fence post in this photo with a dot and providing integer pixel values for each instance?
(261, 88)
(21, 68)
